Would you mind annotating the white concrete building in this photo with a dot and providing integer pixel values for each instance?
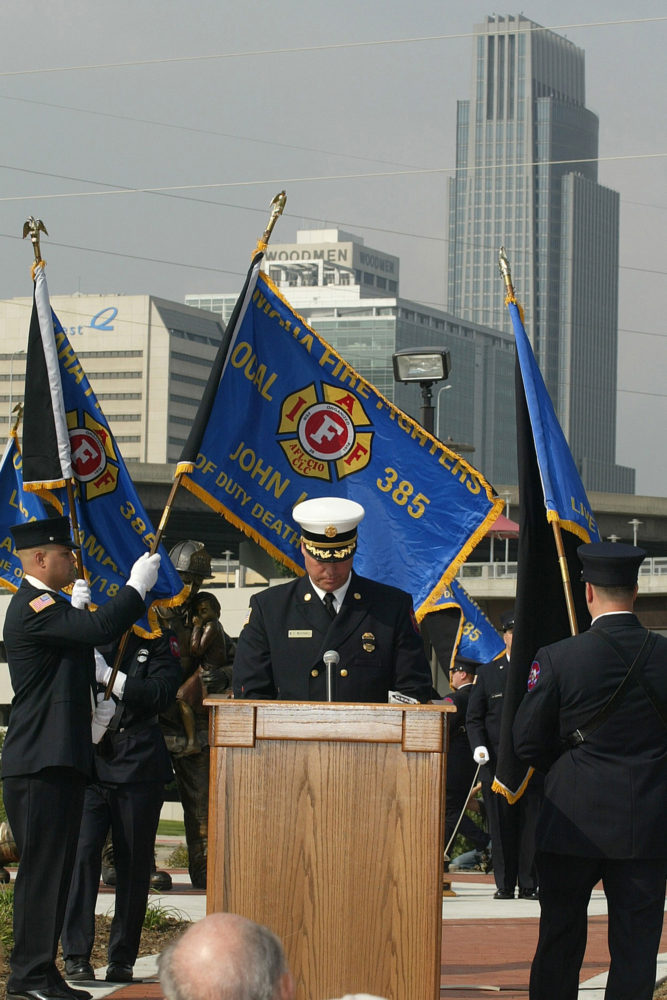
(146, 358)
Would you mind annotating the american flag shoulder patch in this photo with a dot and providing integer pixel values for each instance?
(41, 602)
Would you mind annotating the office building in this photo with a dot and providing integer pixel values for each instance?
(349, 294)
(147, 360)
(527, 178)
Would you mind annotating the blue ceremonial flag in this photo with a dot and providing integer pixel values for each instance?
(289, 419)
(15, 507)
(476, 638)
(114, 527)
(548, 480)
(564, 495)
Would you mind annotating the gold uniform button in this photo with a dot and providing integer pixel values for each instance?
(357, 597)
(314, 673)
(307, 597)
(343, 673)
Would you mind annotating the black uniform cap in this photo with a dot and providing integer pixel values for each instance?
(48, 531)
(507, 620)
(465, 664)
(610, 564)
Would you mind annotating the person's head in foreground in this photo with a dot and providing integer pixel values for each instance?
(225, 957)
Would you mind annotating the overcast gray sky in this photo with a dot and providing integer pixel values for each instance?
(349, 105)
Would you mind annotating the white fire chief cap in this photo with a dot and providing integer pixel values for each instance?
(329, 527)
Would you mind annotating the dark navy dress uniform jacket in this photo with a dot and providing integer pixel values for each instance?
(279, 652)
(50, 653)
(608, 796)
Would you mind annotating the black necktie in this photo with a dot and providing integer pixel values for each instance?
(329, 605)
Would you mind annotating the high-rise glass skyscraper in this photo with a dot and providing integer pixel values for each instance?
(526, 178)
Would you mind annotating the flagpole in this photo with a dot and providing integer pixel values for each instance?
(277, 206)
(504, 267)
(565, 577)
(33, 227)
(18, 409)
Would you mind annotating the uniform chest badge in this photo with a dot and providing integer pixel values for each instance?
(368, 642)
(142, 656)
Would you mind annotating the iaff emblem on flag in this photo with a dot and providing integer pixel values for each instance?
(319, 432)
(94, 459)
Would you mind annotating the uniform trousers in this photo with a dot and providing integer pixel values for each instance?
(133, 811)
(512, 830)
(44, 813)
(635, 891)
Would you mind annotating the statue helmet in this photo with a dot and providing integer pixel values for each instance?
(190, 557)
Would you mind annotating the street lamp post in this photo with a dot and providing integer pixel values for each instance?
(635, 524)
(443, 388)
(425, 365)
(227, 554)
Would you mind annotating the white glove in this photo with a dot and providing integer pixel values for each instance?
(103, 673)
(480, 755)
(80, 594)
(143, 574)
(102, 716)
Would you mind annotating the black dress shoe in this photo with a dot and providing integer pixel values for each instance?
(74, 994)
(503, 894)
(108, 875)
(528, 894)
(161, 880)
(78, 968)
(117, 973)
(49, 993)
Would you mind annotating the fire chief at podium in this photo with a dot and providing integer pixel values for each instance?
(369, 625)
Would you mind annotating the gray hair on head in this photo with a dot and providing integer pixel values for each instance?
(223, 957)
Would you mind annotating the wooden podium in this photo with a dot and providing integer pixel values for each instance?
(326, 824)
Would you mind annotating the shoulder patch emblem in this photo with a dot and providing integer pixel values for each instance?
(41, 602)
(534, 675)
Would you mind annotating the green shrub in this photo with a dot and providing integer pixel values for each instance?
(179, 857)
(6, 916)
(160, 917)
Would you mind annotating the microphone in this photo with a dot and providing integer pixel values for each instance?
(331, 659)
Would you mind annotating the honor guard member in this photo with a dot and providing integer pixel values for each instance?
(48, 752)
(370, 626)
(512, 827)
(132, 766)
(460, 763)
(595, 719)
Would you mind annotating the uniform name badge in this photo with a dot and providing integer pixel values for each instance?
(300, 633)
